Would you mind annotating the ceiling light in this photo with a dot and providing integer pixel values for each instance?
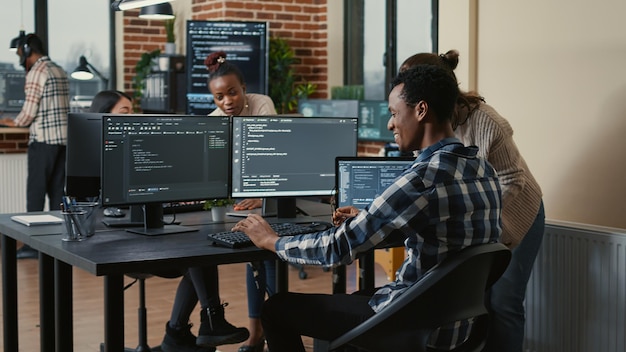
(15, 42)
(157, 12)
(121, 5)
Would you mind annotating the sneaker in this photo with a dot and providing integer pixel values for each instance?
(181, 341)
(215, 330)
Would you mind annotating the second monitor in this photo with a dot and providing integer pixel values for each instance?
(288, 157)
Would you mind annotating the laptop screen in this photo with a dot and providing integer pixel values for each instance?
(361, 179)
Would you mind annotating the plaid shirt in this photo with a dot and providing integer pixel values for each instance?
(46, 103)
(446, 200)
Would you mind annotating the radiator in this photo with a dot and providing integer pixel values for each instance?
(13, 171)
(576, 296)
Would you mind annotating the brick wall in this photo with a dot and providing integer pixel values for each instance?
(301, 22)
(14, 141)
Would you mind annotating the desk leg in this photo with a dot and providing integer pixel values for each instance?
(282, 276)
(64, 306)
(9, 294)
(367, 263)
(114, 313)
(339, 279)
(46, 303)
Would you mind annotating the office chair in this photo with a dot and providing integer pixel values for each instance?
(452, 290)
(142, 330)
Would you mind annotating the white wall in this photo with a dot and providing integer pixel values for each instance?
(555, 70)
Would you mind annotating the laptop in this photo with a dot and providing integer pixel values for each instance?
(269, 208)
(358, 180)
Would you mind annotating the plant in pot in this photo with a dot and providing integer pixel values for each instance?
(218, 207)
(284, 92)
(170, 44)
(142, 69)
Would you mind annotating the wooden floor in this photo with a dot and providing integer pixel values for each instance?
(89, 306)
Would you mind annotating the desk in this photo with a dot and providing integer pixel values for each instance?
(109, 253)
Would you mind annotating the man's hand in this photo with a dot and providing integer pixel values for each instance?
(7, 122)
(341, 214)
(250, 203)
(259, 231)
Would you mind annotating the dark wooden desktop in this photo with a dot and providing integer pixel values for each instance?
(113, 252)
(110, 253)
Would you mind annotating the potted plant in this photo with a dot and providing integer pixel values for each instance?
(170, 45)
(142, 70)
(283, 90)
(218, 207)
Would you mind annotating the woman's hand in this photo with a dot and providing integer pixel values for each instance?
(341, 214)
(250, 203)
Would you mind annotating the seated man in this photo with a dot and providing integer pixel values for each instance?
(446, 200)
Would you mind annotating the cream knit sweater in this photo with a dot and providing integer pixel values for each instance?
(521, 195)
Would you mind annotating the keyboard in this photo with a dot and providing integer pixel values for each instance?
(237, 239)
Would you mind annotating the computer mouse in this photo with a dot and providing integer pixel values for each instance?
(320, 226)
(113, 212)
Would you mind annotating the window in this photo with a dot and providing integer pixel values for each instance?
(376, 46)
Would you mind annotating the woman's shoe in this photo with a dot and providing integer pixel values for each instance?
(253, 348)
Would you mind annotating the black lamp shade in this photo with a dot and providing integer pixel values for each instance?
(15, 42)
(82, 72)
(161, 11)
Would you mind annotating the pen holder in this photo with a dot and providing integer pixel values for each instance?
(90, 221)
(75, 225)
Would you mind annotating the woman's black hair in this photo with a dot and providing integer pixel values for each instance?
(218, 66)
(105, 100)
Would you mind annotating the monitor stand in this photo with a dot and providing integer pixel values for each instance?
(286, 208)
(153, 223)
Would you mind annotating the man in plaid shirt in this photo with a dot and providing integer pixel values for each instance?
(45, 110)
(446, 200)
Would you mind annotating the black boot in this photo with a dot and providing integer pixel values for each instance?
(215, 330)
(181, 340)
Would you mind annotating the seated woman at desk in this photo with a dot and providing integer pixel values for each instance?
(197, 283)
(228, 87)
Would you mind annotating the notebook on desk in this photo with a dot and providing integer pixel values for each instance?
(34, 220)
(358, 180)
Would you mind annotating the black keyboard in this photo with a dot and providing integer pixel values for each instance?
(237, 239)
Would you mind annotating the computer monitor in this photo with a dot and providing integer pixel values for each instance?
(373, 119)
(328, 108)
(82, 168)
(155, 159)
(361, 179)
(287, 157)
(246, 44)
(12, 90)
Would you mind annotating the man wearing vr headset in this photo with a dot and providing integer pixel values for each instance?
(45, 109)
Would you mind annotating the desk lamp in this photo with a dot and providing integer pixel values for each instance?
(85, 71)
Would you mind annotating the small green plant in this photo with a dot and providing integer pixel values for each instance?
(220, 202)
(284, 92)
(169, 30)
(142, 70)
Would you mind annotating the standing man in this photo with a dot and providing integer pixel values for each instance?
(45, 110)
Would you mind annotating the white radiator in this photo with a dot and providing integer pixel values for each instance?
(576, 296)
(13, 172)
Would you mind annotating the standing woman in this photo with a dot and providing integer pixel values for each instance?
(523, 217)
(228, 87)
